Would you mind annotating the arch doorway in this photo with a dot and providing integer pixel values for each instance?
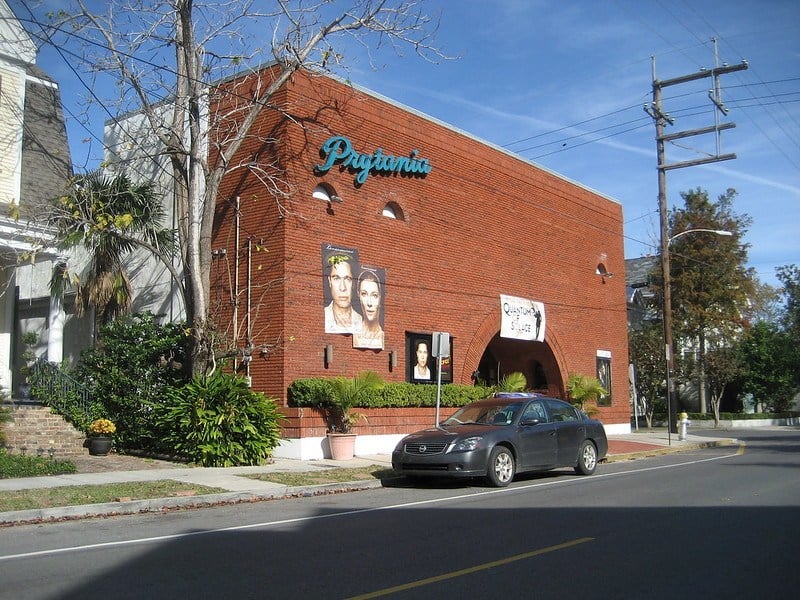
(535, 360)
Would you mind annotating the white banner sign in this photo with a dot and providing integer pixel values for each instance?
(521, 319)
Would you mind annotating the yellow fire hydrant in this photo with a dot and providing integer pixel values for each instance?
(683, 425)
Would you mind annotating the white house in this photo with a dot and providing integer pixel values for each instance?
(35, 166)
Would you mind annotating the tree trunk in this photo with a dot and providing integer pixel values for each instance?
(701, 374)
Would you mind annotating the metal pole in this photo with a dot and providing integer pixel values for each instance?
(665, 267)
(438, 386)
(660, 119)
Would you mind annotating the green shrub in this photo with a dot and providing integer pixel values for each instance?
(316, 392)
(740, 416)
(218, 421)
(129, 375)
(407, 394)
(5, 417)
(17, 465)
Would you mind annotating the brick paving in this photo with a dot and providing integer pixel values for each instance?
(86, 463)
(626, 447)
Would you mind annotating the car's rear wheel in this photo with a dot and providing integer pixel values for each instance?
(587, 459)
(501, 467)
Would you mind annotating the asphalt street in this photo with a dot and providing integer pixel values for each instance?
(708, 522)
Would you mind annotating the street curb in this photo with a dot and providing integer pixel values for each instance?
(670, 450)
(154, 505)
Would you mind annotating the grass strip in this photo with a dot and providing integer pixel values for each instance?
(323, 476)
(76, 495)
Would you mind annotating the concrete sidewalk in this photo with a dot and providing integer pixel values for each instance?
(245, 489)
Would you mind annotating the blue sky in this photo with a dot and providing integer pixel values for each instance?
(563, 84)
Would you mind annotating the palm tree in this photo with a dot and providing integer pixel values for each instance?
(346, 393)
(109, 217)
(585, 390)
(513, 382)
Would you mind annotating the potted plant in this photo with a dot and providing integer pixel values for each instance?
(100, 432)
(29, 339)
(584, 391)
(346, 393)
(513, 382)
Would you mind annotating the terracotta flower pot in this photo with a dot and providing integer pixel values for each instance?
(342, 445)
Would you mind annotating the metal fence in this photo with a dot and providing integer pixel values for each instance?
(58, 390)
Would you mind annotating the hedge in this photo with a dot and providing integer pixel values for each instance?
(727, 416)
(315, 392)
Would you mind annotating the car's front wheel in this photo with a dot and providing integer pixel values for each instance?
(501, 467)
(587, 459)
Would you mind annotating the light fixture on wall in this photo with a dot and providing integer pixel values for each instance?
(328, 355)
(603, 272)
(393, 358)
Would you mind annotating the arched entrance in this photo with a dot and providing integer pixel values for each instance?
(535, 360)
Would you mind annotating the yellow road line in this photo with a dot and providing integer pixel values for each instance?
(740, 451)
(467, 571)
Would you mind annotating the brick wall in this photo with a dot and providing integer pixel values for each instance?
(35, 430)
(481, 224)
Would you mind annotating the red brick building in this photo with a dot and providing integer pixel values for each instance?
(463, 238)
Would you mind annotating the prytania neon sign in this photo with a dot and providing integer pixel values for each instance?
(339, 150)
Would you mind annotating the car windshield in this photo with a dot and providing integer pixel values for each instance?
(485, 414)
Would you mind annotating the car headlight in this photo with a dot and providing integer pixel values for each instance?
(468, 444)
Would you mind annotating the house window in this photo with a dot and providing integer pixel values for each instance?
(604, 376)
(393, 211)
(325, 193)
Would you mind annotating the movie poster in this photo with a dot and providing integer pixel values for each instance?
(339, 270)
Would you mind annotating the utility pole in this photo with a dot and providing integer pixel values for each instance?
(661, 120)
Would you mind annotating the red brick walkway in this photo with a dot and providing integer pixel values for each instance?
(626, 447)
(121, 462)
(86, 463)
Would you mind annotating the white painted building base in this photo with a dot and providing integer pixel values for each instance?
(617, 428)
(316, 448)
(747, 423)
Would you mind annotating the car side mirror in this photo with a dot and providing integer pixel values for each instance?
(530, 422)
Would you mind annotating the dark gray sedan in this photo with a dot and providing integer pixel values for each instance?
(500, 436)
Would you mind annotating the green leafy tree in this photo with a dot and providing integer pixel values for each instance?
(723, 367)
(789, 276)
(711, 285)
(770, 353)
(768, 358)
(646, 348)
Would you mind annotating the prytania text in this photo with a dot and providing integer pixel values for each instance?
(339, 150)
